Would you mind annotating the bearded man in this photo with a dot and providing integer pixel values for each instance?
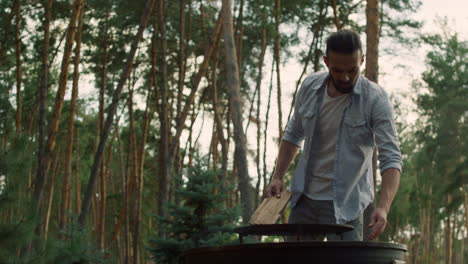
(341, 115)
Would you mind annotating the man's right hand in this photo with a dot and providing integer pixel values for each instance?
(274, 188)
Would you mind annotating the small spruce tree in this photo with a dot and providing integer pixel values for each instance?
(200, 219)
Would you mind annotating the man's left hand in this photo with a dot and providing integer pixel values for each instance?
(378, 222)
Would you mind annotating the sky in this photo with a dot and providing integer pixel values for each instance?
(397, 72)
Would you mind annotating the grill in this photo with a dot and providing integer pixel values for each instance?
(348, 252)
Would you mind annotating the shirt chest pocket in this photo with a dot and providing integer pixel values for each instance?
(357, 132)
(308, 122)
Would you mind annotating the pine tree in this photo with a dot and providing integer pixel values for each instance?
(200, 219)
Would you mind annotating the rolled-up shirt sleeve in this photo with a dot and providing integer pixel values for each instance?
(385, 133)
(294, 132)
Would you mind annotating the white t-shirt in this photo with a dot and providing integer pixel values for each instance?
(320, 185)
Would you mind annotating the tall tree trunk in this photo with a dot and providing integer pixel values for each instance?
(111, 112)
(153, 55)
(336, 20)
(57, 109)
(51, 184)
(182, 57)
(19, 98)
(202, 20)
(427, 227)
(218, 121)
(465, 204)
(270, 90)
(197, 79)
(126, 186)
(238, 34)
(320, 27)
(77, 178)
(259, 96)
(165, 160)
(129, 182)
(42, 91)
(448, 234)
(66, 201)
(101, 223)
(134, 169)
(101, 206)
(140, 179)
(372, 33)
(372, 73)
(181, 81)
(233, 84)
(278, 64)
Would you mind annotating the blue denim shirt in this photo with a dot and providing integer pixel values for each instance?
(366, 121)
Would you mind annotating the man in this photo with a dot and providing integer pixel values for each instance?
(341, 115)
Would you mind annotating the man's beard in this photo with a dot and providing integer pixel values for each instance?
(343, 87)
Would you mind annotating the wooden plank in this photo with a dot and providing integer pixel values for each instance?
(270, 209)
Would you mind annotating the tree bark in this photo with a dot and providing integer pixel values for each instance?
(465, 204)
(77, 178)
(259, 123)
(233, 84)
(372, 73)
(181, 81)
(42, 91)
(51, 184)
(372, 33)
(320, 27)
(57, 109)
(182, 57)
(153, 73)
(448, 234)
(66, 201)
(336, 20)
(19, 99)
(111, 112)
(165, 163)
(134, 172)
(219, 122)
(238, 33)
(100, 224)
(270, 90)
(140, 178)
(278, 73)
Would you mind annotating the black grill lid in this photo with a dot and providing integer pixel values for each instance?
(292, 229)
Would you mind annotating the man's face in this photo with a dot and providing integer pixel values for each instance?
(344, 69)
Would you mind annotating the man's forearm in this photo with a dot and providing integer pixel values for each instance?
(286, 154)
(390, 183)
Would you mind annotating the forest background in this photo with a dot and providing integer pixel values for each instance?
(130, 128)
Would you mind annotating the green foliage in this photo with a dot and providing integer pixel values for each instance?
(15, 234)
(77, 247)
(445, 108)
(71, 247)
(435, 150)
(396, 20)
(201, 219)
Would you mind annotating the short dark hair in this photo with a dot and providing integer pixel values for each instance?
(344, 41)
